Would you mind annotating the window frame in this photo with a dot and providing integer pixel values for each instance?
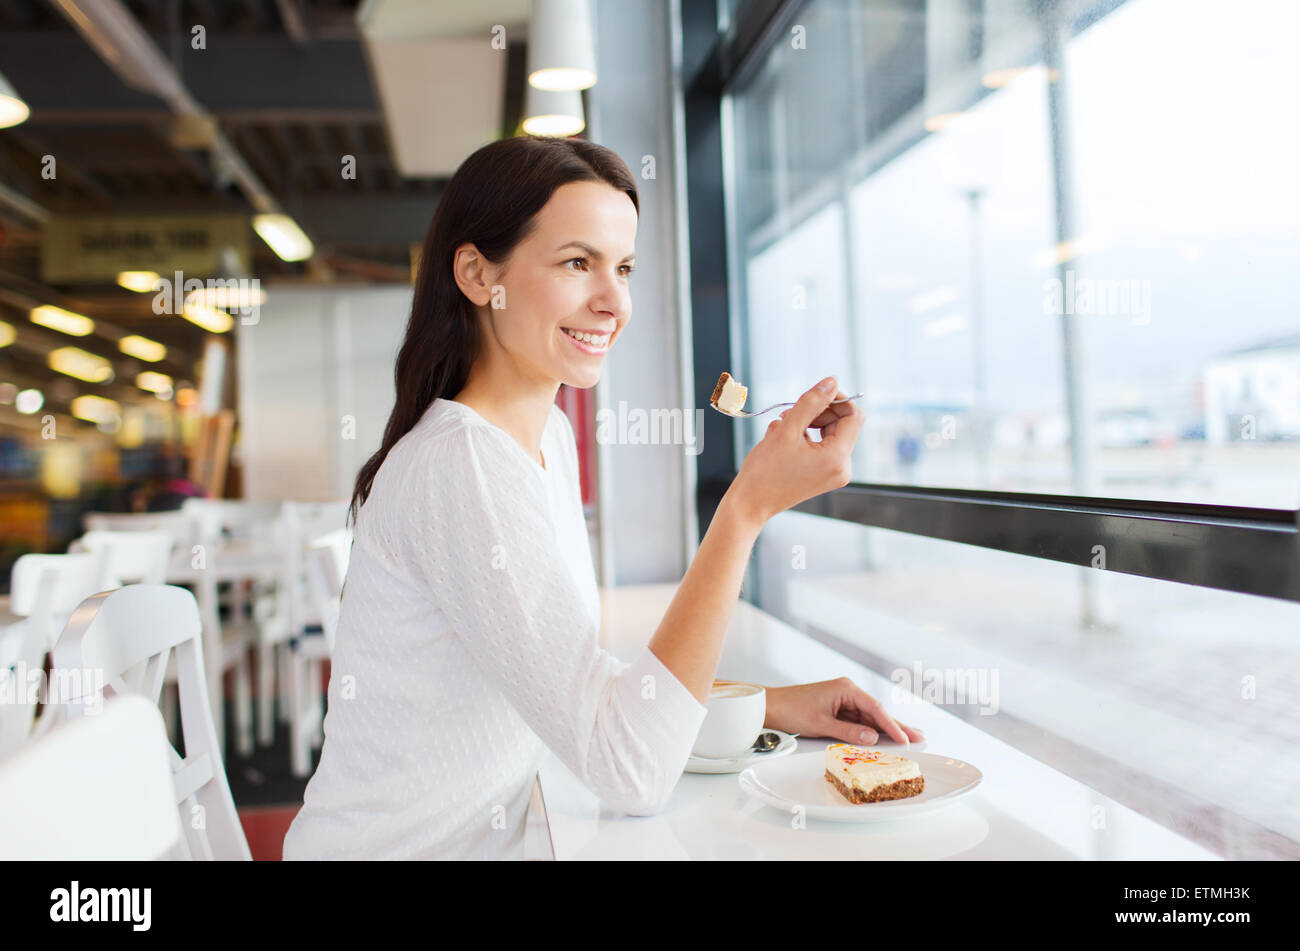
(1232, 548)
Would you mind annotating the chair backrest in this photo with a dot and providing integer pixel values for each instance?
(327, 567)
(97, 788)
(239, 518)
(52, 583)
(303, 522)
(129, 557)
(183, 527)
(118, 642)
(22, 665)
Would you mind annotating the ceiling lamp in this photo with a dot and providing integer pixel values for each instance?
(142, 348)
(7, 333)
(64, 321)
(142, 282)
(95, 409)
(553, 112)
(283, 236)
(81, 365)
(154, 382)
(561, 54)
(29, 401)
(209, 318)
(12, 108)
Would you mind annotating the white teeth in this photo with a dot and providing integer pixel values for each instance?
(592, 339)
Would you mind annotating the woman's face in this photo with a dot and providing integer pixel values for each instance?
(570, 273)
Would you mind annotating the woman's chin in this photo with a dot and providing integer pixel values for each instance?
(584, 381)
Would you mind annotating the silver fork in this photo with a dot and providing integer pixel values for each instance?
(743, 415)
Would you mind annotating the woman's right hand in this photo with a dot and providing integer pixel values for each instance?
(787, 467)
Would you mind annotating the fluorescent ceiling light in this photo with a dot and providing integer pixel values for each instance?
(209, 318)
(154, 382)
(142, 282)
(283, 236)
(64, 321)
(242, 296)
(142, 348)
(561, 54)
(81, 365)
(95, 409)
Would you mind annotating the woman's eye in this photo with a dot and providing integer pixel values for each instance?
(625, 269)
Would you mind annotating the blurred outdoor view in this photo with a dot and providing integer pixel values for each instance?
(932, 273)
(1057, 246)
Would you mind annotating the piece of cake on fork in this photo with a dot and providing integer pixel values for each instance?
(729, 395)
(862, 775)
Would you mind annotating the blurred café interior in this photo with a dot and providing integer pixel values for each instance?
(1053, 242)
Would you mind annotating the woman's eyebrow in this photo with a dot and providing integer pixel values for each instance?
(592, 251)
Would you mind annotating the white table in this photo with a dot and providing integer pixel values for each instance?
(1023, 809)
(232, 561)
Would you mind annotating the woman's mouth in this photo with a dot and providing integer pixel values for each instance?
(587, 343)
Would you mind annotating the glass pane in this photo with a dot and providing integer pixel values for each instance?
(1176, 701)
(1057, 255)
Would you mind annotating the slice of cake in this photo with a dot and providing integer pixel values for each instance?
(863, 775)
(728, 395)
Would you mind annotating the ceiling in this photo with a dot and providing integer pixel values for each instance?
(292, 86)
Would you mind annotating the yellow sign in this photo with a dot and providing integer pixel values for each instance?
(95, 250)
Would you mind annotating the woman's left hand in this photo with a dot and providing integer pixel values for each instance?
(838, 709)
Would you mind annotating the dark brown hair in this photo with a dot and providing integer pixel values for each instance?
(491, 202)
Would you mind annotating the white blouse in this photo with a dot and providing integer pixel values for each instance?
(466, 645)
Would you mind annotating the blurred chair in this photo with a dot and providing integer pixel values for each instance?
(129, 557)
(303, 522)
(198, 532)
(118, 643)
(247, 536)
(139, 556)
(326, 567)
(44, 591)
(97, 788)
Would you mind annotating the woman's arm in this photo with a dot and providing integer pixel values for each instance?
(689, 639)
(785, 468)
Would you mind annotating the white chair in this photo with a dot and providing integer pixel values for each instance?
(129, 557)
(138, 555)
(97, 788)
(258, 526)
(200, 524)
(44, 591)
(326, 566)
(118, 643)
(292, 610)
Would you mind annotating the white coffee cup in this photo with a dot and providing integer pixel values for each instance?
(735, 718)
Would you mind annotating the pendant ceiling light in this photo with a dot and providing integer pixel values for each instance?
(561, 54)
(12, 108)
(553, 112)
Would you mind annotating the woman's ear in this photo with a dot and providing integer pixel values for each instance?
(474, 274)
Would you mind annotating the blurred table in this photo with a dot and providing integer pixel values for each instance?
(231, 561)
(1023, 809)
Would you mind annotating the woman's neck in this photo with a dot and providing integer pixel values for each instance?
(521, 414)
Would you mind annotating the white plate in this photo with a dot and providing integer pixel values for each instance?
(801, 781)
(734, 764)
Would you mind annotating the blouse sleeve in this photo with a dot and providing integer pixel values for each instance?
(479, 543)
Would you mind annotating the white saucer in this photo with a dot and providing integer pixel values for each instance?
(734, 764)
(800, 781)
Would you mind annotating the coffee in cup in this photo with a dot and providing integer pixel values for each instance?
(735, 718)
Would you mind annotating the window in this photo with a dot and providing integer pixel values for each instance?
(1058, 257)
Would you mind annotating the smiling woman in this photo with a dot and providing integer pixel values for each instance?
(467, 641)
